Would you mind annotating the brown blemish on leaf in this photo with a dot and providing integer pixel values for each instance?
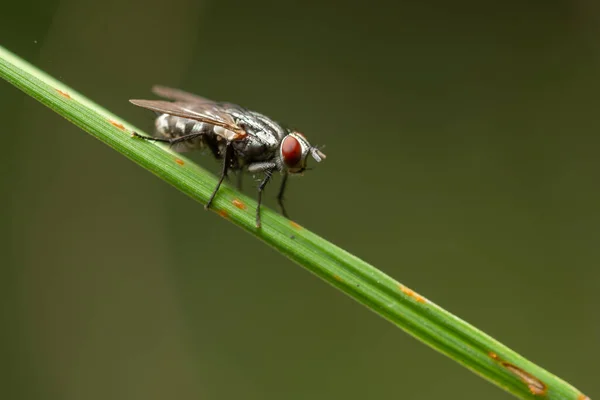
(238, 204)
(412, 293)
(338, 278)
(582, 397)
(64, 94)
(535, 386)
(223, 213)
(116, 124)
(295, 225)
(179, 161)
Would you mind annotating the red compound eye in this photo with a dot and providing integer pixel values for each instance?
(291, 151)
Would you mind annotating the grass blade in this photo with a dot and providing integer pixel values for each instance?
(400, 305)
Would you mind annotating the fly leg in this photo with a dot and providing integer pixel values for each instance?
(226, 160)
(280, 196)
(262, 185)
(267, 168)
(171, 141)
(240, 179)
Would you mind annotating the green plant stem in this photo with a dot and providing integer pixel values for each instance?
(408, 310)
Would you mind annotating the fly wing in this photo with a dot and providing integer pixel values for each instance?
(186, 97)
(178, 95)
(208, 112)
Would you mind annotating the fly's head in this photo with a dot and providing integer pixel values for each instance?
(294, 151)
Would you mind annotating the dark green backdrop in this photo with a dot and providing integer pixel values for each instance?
(475, 125)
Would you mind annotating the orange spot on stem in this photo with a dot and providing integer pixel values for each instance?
(64, 94)
(116, 124)
(239, 204)
(412, 293)
(295, 225)
(179, 161)
(535, 386)
(223, 213)
(493, 355)
(582, 397)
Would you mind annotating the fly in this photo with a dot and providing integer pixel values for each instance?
(245, 140)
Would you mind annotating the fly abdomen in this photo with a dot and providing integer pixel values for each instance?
(173, 127)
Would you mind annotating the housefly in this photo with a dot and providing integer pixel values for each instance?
(245, 140)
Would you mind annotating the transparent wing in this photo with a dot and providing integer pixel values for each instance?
(208, 112)
(186, 97)
(178, 95)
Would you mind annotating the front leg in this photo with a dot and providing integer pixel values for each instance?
(262, 185)
(280, 197)
(261, 166)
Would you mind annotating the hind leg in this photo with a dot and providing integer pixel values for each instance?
(171, 141)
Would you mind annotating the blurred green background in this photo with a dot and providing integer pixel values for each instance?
(475, 125)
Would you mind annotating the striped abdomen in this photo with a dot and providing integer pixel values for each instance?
(172, 127)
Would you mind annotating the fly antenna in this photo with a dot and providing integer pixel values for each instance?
(317, 154)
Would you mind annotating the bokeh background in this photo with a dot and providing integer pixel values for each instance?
(462, 143)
